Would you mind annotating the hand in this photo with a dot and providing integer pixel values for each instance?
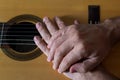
(42, 44)
(98, 73)
(47, 31)
(84, 45)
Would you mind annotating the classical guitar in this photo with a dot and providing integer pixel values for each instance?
(20, 59)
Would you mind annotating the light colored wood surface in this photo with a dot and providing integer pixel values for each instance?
(39, 69)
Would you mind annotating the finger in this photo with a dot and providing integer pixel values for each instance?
(56, 43)
(68, 75)
(71, 58)
(60, 52)
(59, 22)
(43, 32)
(85, 66)
(53, 38)
(76, 22)
(50, 26)
(41, 44)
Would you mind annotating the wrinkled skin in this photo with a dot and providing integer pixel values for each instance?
(78, 47)
(75, 43)
(98, 73)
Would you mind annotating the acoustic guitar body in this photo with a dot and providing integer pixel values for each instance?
(37, 68)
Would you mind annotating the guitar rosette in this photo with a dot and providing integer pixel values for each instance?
(18, 36)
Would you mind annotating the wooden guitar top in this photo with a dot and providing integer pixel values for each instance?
(68, 10)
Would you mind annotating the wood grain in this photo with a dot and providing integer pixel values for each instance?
(68, 10)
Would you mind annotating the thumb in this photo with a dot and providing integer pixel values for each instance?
(68, 75)
(85, 66)
(74, 76)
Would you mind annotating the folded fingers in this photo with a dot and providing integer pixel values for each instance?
(54, 45)
(60, 23)
(61, 52)
(41, 44)
(50, 26)
(72, 57)
(43, 32)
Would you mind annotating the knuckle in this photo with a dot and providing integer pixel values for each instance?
(97, 60)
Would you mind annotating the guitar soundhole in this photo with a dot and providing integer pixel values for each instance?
(20, 36)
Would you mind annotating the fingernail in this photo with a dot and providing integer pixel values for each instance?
(45, 19)
(35, 38)
(38, 25)
(48, 59)
(48, 46)
(59, 71)
(54, 67)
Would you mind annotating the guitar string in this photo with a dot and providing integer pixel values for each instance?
(1, 34)
(20, 32)
(19, 35)
(18, 44)
(17, 39)
(18, 28)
